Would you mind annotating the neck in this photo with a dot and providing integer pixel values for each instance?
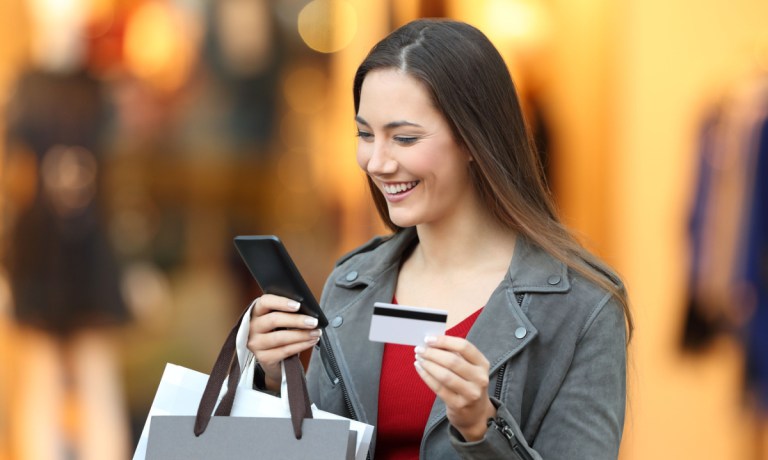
(465, 244)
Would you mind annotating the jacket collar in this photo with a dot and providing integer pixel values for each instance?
(364, 270)
(534, 270)
(531, 268)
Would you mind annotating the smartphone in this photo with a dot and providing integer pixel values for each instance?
(274, 271)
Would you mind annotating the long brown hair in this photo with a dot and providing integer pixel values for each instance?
(471, 86)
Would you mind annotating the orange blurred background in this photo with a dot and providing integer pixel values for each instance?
(235, 117)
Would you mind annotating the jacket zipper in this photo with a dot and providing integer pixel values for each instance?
(502, 427)
(496, 394)
(503, 368)
(337, 373)
(499, 381)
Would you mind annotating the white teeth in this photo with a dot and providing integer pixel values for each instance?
(398, 188)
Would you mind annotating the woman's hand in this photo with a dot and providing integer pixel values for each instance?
(458, 373)
(277, 332)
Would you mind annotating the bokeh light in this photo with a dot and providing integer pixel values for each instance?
(157, 46)
(513, 21)
(69, 177)
(57, 43)
(328, 26)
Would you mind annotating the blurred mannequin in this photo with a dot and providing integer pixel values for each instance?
(64, 278)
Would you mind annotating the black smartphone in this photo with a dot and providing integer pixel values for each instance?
(274, 271)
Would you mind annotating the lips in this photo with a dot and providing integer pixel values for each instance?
(399, 187)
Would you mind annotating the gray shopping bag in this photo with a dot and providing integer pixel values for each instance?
(213, 434)
(171, 437)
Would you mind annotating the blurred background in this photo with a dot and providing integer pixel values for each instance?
(137, 137)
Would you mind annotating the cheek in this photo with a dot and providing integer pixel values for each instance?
(427, 161)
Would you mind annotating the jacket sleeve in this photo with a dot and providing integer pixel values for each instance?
(586, 418)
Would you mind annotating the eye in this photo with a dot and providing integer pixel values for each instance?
(406, 140)
(366, 136)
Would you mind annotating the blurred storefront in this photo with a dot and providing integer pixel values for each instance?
(235, 117)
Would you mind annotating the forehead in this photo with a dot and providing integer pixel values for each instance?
(391, 93)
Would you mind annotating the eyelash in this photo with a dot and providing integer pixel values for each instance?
(405, 140)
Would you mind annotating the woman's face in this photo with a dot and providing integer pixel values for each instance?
(407, 148)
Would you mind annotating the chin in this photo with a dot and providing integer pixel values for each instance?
(402, 221)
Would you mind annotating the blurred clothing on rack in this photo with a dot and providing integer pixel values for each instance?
(728, 287)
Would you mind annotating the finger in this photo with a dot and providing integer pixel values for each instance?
(281, 338)
(458, 355)
(453, 362)
(463, 347)
(270, 302)
(449, 397)
(428, 379)
(281, 320)
(449, 386)
(275, 355)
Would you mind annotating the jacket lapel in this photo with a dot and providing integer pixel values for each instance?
(365, 281)
(503, 329)
(500, 332)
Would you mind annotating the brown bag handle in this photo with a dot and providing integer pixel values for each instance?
(298, 396)
(227, 366)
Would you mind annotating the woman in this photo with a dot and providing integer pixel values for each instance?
(533, 364)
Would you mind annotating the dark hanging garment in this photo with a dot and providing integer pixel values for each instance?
(700, 326)
(63, 273)
(728, 283)
(756, 276)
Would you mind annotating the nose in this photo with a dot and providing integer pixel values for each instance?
(380, 161)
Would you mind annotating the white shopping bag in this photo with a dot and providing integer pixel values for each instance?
(247, 363)
(181, 389)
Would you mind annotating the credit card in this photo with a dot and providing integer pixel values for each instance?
(405, 325)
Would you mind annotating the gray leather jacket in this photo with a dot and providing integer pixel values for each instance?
(556, 344)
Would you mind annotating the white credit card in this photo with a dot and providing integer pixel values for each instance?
(405, 325)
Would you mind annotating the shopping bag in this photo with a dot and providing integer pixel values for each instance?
(180, 424)
(248, 362)
(172, 438)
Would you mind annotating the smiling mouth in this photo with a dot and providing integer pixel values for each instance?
(402, 187)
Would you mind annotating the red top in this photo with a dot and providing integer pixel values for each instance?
(405, 400)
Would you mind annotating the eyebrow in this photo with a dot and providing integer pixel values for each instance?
(391, 124)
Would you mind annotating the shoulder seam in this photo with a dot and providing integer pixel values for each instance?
(595, 312)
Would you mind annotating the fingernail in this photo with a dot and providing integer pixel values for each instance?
(293, 304)
(418, 367)
(419, 350)
(430, 339)
(311, 322)
(316, 333)
(314, 340)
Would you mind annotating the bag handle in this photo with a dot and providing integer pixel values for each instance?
(298, 396)
(227, 366)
